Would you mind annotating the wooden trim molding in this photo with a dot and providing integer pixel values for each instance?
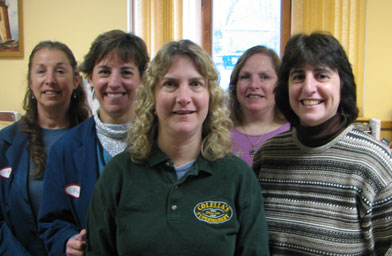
(9, 116)
(206, 19)
(285, 24)
(386, 125)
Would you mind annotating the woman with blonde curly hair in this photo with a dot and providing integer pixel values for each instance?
(178, 180)
(215, 133)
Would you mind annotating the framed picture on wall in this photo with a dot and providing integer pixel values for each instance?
(11, 28)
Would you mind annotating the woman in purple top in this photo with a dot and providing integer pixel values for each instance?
(252, 101)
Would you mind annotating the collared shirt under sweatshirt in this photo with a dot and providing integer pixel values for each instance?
(143, 209)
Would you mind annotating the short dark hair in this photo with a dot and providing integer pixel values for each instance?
(317, 49)
(127, 45)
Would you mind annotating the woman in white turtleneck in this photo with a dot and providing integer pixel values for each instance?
(114, 67)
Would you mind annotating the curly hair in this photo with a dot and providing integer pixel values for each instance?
(216, 141)
(78, 111)
(128, 47)
(317, 49)
(234, 104)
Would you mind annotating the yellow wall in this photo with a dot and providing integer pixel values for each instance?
(74, 22)
(77, 23)
(378, 58)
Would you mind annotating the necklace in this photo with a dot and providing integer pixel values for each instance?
(253, 150)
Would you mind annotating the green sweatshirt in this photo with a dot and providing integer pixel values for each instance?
(143, 209)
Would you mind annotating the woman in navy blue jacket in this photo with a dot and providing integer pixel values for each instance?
(113, 66)
(54, 102)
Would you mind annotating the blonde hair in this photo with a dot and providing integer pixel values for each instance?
(216, 140)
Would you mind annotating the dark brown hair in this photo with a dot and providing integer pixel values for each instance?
(78, 109)
(318, 48)
(128, 47)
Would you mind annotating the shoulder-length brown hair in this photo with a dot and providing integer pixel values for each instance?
(235, 107)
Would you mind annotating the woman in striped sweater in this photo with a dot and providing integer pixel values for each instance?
(327, 185)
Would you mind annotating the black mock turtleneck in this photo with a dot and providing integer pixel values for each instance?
(315, 136)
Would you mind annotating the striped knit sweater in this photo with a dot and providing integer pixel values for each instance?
(335, 199)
